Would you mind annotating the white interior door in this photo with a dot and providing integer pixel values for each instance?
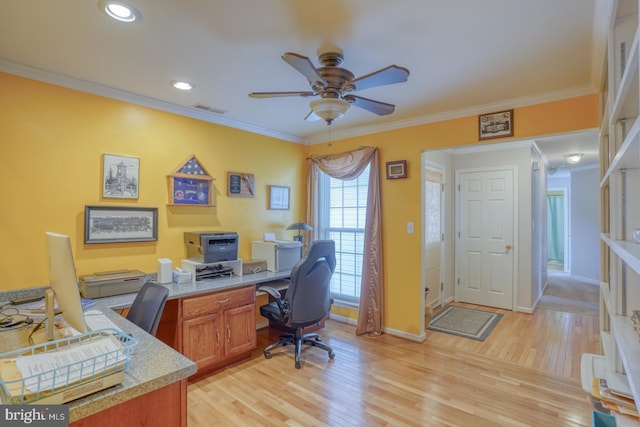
(433, 233)
(485, 254)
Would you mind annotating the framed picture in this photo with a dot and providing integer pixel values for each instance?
(115, 224)
(397, 169)
(279, 197)
(495, 125)
(120, 176)
(240, 184)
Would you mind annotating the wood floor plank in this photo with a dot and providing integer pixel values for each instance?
(526, 373)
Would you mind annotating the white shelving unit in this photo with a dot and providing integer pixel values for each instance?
(620, 202)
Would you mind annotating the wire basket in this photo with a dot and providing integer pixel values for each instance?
(66, 369)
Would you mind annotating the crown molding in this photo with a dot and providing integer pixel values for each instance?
(120, 95)
(320, 138)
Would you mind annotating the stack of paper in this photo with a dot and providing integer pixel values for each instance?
(613, 400)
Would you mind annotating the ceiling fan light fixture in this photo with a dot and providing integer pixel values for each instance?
(573, 158)
(329, 109)
(119, 10)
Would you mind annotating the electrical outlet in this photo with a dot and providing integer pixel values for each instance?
(410, 227)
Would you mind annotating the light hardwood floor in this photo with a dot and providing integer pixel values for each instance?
(526, 373)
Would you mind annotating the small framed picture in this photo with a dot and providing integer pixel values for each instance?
(240, 184)
(279, 197)
(495, 125)
(120, 177)
(115, 224)
(397, 169)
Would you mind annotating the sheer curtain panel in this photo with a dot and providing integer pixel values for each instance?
(348, 166)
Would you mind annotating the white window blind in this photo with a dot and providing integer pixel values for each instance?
(343, 209)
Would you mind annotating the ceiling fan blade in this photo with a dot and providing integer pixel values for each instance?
(376, 107)
(304, 67)
(386, 76)
(279, 94)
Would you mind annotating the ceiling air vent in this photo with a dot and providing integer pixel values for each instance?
(209, 109)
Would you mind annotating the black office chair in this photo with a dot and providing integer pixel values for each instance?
(307, 300)
(148, 306)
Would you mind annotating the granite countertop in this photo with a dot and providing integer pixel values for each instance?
(153, 364)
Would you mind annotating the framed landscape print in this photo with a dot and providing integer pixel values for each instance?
(117, 224)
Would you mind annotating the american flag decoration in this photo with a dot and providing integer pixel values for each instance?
(190, 184)
(192, 167)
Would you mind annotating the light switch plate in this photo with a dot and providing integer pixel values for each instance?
(410, 227)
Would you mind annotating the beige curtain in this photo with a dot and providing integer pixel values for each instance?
(348, 166)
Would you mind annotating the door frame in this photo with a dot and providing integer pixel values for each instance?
(566, 268)
(516, 222)
(441, 169)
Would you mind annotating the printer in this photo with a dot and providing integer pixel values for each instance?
(109, 283)
(211, 246)
(280, 255)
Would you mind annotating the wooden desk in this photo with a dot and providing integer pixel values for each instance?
(154, 389)
(154, 386)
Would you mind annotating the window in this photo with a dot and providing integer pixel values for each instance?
(343, 211)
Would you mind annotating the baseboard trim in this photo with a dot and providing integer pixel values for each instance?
(405, 335)
(343, 319)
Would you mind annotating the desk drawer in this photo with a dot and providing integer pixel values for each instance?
(210, 303)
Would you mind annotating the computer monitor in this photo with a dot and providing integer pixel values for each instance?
(63, 282)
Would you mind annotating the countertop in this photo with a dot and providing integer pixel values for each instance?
(153, 364)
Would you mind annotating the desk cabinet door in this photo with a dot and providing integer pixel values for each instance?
(202, 339)
(240, 330)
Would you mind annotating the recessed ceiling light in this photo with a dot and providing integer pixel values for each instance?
(119, 10)
(573, 158)
(181, 84)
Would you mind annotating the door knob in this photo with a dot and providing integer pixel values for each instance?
(508, 247)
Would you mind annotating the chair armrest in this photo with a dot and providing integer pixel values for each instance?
(271, 291)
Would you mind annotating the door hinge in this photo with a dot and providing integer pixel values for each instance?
(442, 188)
(458, 281)
(441, 287)
(442, 237)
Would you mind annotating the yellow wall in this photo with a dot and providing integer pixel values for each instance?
(51, 145)
(401, 200)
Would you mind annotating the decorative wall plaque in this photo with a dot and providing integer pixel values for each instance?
(190, 184)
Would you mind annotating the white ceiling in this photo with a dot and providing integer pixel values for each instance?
(465, 56)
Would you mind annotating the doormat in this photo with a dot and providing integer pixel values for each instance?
(465, 322)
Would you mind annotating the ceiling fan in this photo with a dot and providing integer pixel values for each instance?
(334, 85)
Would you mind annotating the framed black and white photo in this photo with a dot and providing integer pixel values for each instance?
(495, 125)
(116, 224)
(120, 177)
(279, 197)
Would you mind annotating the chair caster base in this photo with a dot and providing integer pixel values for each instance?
(267, 355)
(332, 355)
